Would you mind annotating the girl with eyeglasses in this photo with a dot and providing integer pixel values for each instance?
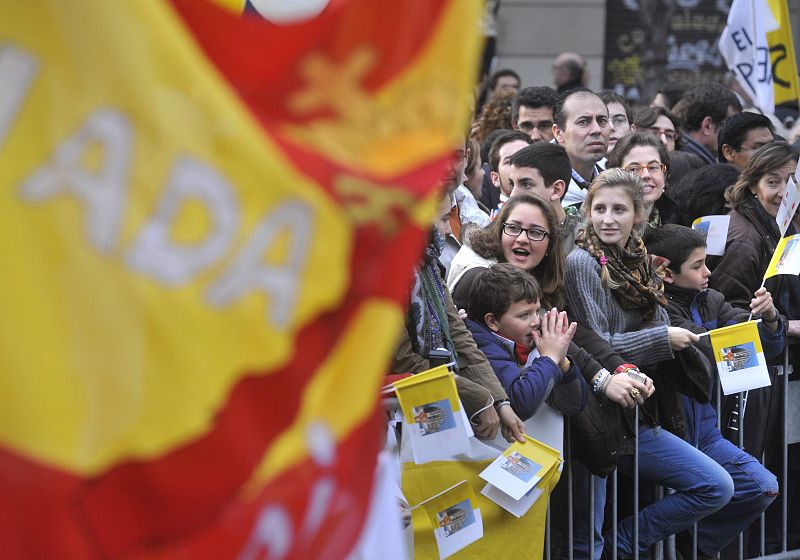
(645, 155)
(614, 287)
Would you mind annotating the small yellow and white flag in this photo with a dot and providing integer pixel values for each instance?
(740, 358)
(786, 258)
(433, 418)
(715, 230)
(455, 518)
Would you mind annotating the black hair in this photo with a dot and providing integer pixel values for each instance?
(551, 160)
(559, 117)
(705, 100)
(702, 191)
(533, 97)
(609, 96)
(648, 116)
(486, 145)
(735, 128)
(673, 242)
(499, 287)
(500, 141)
(673, 92)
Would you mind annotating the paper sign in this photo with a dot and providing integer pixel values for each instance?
(715, 230)
(791, 198)
(740, 358)
(455, 517)
(786, 258)
(433, 417)
(521, 467)
(520, 507)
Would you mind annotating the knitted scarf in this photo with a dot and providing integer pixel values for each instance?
(429, 328)
(634, 276)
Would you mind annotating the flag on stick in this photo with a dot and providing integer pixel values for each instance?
(740, 358)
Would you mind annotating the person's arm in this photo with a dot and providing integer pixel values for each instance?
(569, 395)
(587, 300)
(738, 273)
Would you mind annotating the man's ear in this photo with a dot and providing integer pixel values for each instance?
(558, 134)
(558, 186)
(491, 322)
(668, 276)
(728, 152)
(633, 128)
(495, 177)
(707, 126)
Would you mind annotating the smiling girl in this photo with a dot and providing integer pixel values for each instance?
(614, 287)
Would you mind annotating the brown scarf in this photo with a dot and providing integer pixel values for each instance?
(634, 276)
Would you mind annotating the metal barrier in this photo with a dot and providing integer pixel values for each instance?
(666, 550)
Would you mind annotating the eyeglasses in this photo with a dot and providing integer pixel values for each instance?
(670, 135)
(534, 234)
(543, 126)
(652, 168)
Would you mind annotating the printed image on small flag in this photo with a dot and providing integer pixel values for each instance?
(520, 466)
(740, 358)
(455, 518)
(434, 417)
(789, 202)
(715, 230)
(786, 258)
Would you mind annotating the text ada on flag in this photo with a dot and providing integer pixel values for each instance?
(786, 258)
(740, 358)
(743, 44)
(206, 215)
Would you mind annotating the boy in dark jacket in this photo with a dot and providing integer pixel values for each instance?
(692, 305)
(528, 353)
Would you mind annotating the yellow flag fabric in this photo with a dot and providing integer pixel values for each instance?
(786, 258)
(207, 220)
(782, 54)
(521, 538)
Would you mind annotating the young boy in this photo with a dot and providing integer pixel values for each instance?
(692, 305)
(505, 323)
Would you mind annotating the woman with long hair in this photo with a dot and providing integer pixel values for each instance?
(753, 235)
(614, 287)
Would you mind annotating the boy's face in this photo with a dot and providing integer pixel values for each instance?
(518, 323)
(694, 272)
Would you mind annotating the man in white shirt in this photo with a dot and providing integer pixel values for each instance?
(581, 125)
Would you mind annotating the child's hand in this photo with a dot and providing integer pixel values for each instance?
(680, 338)
(762, 304)
(554, 335)
(513, 427)
(489, 424)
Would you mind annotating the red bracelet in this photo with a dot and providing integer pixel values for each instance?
(625, 367)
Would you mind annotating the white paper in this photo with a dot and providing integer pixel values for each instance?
(791, 198)
(746, 370)
(513, 474)
(451, 542)
(517, 508)
(432, 442)
(715, 229)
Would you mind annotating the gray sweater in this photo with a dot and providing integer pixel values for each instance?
(596, 307)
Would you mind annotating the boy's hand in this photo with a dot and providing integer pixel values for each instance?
(513, 428)
(762, 304)
(554, 335)
(680, 338)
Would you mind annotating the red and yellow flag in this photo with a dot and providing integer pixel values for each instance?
(207, 225)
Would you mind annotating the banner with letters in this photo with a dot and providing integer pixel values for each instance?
(205, 215)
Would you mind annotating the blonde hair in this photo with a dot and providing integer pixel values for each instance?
(633, 186)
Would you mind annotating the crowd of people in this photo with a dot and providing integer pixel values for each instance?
(561, 273)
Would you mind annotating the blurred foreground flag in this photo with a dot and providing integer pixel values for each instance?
(207, 227)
